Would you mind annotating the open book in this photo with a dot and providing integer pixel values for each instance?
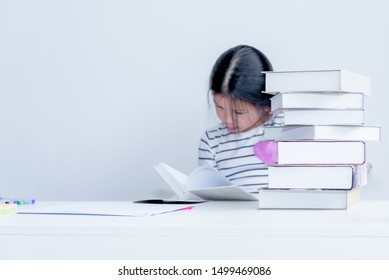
(203, 183)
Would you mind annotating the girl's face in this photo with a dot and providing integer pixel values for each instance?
(238, 115)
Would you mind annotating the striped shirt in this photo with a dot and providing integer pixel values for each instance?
(232, 154)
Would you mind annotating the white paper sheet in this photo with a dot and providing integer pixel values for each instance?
(102, 208)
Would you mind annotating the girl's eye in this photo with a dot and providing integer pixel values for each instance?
(239, 112)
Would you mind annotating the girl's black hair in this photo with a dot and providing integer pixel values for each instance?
(237, 74)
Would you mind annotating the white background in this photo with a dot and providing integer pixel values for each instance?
(93, 93)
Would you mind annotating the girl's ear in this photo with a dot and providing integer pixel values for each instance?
(266, 109)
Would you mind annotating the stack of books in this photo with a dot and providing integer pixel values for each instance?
(317, 156)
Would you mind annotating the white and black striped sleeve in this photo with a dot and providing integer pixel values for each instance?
(206, 155)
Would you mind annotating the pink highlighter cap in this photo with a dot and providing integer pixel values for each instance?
(266, 151)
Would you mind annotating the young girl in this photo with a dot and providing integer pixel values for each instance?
(236, 84)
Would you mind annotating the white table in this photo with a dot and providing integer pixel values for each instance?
(212, 230)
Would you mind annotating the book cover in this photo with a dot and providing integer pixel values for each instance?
(311, 152)
(316, 80)
(203, 183)
(308, 199)
(324, 177)
(317, 100)
(320, 116)
(323, 132)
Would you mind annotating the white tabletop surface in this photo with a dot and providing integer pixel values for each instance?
(217, 230)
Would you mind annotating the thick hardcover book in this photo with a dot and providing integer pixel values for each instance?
(311, 152)
(316, 80)
(317, 100)
(323, 132)
(308, 199)
(321, 116)
(324, 177)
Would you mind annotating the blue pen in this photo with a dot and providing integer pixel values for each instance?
(4, 200)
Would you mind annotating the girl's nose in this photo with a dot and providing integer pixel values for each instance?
(228, 117)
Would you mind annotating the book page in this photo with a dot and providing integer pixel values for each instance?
(204, 183)
(224, 193)
(204, 177)
(174, 178)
